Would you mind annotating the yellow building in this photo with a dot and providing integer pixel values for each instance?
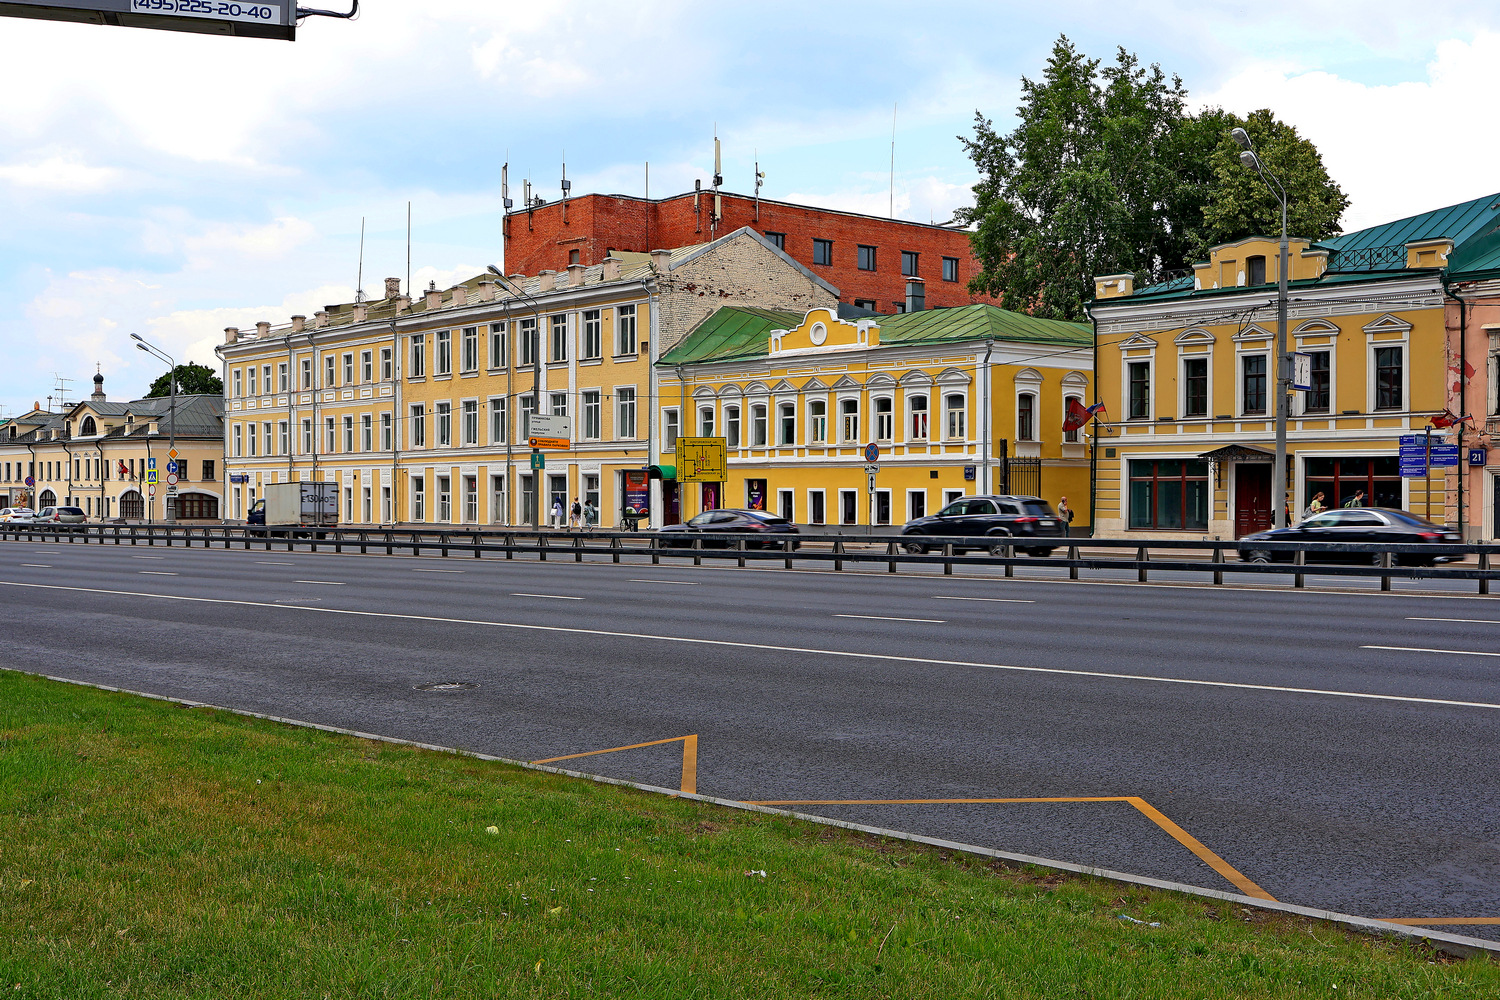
(1187, 372)
(417, 409)
(958, 402)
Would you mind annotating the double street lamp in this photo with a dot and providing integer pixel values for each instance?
(161, 355)
(1283, 360)
(536, 385)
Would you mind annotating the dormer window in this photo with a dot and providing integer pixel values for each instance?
(87, 429)
(1255, 270)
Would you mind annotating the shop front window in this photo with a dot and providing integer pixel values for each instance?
(1169, 494)
(1340, 480)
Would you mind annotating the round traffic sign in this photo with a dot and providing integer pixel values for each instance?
(872, 452)
(30, 480)
(152, 490)
(171, 479)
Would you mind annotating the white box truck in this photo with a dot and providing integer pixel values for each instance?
(296, 505)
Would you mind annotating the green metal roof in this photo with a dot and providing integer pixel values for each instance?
(1478, 258)
(1458, 223)
(734, 332)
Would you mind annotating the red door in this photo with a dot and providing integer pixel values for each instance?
(1252, 498)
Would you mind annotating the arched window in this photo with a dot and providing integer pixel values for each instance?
(953, 404)
(1072, 436)
(885, 424)
(87, 428)
(918, 406)
(47, 499)
(817, 421)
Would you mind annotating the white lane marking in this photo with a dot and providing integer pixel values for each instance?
(994, 600)
(154, 572)
(321, 583)
(437, 571)
(288, 600)
(262, 562)
(888, 618)
(841, 653)
(669, 583)
(157, 558)
(38, 565)
(1424, 649)
(1462, 621)
(550, 597)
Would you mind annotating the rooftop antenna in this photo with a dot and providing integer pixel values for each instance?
(505, 201)
(718, 179)
(893, 161)
(648, 180)
(408, 249)
(567, 186)
(760, 178)
(359, 283)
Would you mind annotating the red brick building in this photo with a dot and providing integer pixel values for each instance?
(870, 260)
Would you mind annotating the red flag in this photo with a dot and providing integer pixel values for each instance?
(1078, 414)
(124, 472)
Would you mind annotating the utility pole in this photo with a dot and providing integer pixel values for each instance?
(171, 508)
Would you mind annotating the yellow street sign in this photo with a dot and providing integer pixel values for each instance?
(702, 460)
(562, 443)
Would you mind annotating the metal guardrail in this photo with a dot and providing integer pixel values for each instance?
(1384, 559)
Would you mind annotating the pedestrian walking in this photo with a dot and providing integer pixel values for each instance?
(1357, 500)
(1065, 512)
(575, 515)
(1314, 507)
(590, 515)
(557, 513)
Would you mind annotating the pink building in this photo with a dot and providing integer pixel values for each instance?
(1472, 317)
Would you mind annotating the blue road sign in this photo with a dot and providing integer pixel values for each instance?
(1479, 456)
(172, 467)
(1444, 455)
(872, 452)
(1413, 440)
(150, 463)
(1414, 471)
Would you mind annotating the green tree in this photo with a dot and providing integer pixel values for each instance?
(192, 379)
(1240, 204)
(1106, 172)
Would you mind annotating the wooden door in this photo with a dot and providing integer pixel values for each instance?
(1252, 498)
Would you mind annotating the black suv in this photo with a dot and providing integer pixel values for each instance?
(994, 522)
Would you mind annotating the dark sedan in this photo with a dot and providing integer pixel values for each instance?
(1353, 524)
(993, 522)
(734, 522)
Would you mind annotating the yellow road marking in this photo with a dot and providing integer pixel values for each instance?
(1440, 921)
(689, 758)
(1177, 833)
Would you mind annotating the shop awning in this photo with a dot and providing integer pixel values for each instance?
(661, 472)
(1238, 453)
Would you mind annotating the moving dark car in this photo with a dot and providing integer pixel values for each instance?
(257, 514)
(757, 522)
(1353, 524)
(994, 522)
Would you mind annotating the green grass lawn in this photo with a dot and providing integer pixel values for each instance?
(154, 851)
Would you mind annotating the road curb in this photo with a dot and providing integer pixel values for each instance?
(1454, 944)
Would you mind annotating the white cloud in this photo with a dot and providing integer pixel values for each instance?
(1397, 150)
(58, 173)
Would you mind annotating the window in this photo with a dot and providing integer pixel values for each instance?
(281, 377)
(528, 407)
(1387, 378)
(848, 506)
(367, 506)
(307, 373)
(418, 355)
(865, 304)
(528, 340)
(849, 420)
(418, 425)
(330, 442)
(444, 414)
(706, 421)
(669, 430)
(758, 425)
(559, 402)
(918, 406)
(885, 418)
(499, 425)
(471, 499)
(1341, 479)
(348, 369)
(386, 368)
(815, 510)
(499, 346)
(328, 370)
(307, 437)
(866, 258)
(950, 268)
(237, 380)
(469, 350)
(1026, 417)
(284, 433)
(909, 263)
(265, 379)
(732, 426)
(1071, 436)
(444, 498)
(593, 418)
(1253, 375)
(442, 361)
(625, 414)
(348, 434)
(418, 498)
(593, 329)
(778, 240)
(823, 252)
(1255, 270)
(625, 342)
(1169, 495)
(471, 421)
(1140, 390)
(208, 470)
(1195, 387)
(788, 423)
(817, 420)
(955, 411)
(385, 432)
(238, 441)
(1319, 398)
(559, 338)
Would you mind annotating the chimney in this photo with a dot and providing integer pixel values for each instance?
(575, 275)
(403, 303)
(517, 282)
(392, 287)
(611, 269)
(546, 280)
(299, 323)
(660, 261)
(262, 329)
(460, 295)
(152, 427)
(434, 298)
(320, 319)
(231, 334)
(361, 311)
(486, 290)
(916, 295)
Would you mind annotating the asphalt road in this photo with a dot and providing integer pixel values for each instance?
(1334, 750)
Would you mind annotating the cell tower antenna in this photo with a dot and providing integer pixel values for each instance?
(408, 249)
(359, 282)
(893, 161)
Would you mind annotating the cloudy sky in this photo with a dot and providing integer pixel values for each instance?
(172, 184)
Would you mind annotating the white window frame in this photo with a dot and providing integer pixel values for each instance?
(418, 356)
(924, 394)
(844, 436)
(366, 432)
(1268, 412)
(670, 429)
(817, 422)
(442, 410)
(706, 419)
(626, 401)
(627, 343)
(592, 415)
(1183, 357)
(469, 350)
(822, 496)
(469, 422)
(499, 420)
(348, 361)
(1150, 364)
(889, 417)
(732, 413)
(499, 345)
(367, 366)
(911, 511)
(591, 347)
(949, 411)
(418, 416)
(387, 430)
(418, 493)
(442, 354)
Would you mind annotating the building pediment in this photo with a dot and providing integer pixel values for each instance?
(1196, 335)
(1136, 342)
(1254, 332)
(821, 330)
(1388, 323)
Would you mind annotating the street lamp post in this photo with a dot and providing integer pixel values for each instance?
(1283, 366)
(156, 352)
(536, 385)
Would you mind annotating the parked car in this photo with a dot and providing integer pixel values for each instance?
(72, 517)
(1353, 524)
(18, 514)
(993, 522)
(757, 522)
